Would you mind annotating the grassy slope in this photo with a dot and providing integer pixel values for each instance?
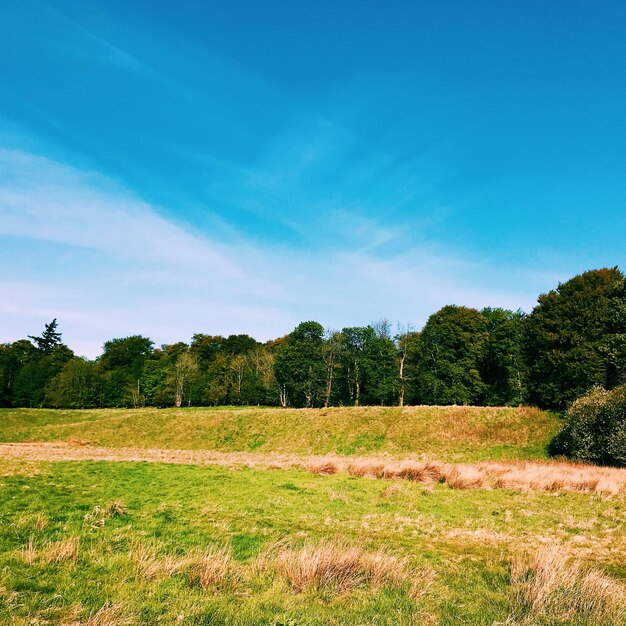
(449, 433)
(465, 536)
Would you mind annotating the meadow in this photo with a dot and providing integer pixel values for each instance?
(421, 515)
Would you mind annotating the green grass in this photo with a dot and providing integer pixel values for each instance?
(466, 537)
(458, 544)
(449, 433)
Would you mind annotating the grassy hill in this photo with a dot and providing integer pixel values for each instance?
(450, 433)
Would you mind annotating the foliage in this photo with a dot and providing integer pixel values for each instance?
(576, 338)
(503, 368)
(48, 339)
(595, 428)
(299, 366)
(451, 348)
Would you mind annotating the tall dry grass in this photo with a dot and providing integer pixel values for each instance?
(330, 566)
(52, 552)
(550, 476)
(214, 569)
(551, 586)
(151, 564)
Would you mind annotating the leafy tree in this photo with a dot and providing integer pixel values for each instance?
(576, 338)
(33, 378)
(331, 357)
(407, 342)
(299, 365)
(369, 365)
(76, 386)
(13, 357)
(121, 364)
(182, 375)
(382, 366)
(152, 382)
(503, 368)
(451, 348)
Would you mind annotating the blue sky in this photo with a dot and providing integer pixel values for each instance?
(170, 168)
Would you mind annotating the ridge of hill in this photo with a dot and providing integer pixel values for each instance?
(453, 433)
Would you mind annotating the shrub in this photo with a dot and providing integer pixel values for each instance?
(595, 428)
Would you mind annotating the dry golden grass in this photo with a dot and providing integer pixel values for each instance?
(553, 586)
(152, 565)
(551, 476)
(422, 582)
(323, 467)
(53, 552)
(464, 477)
(108, 615)
(328, 566)
(62, 551)
(29, 553)
(555, 476)
(214, 569)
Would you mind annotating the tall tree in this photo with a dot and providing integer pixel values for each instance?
(451, 348)
(407, 341)
(576, 338)
(503, 368)
(331, 355)
(121, 365)
(183, 372)
(299, 365)
(48, 339)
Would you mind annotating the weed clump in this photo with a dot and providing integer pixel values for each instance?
(553, 587)
(329, 566)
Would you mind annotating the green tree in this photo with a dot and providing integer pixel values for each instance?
(299, 366)
(121, 365)
(369, 371)
(576, 338)
(48, 339)
(503, 368)
(13, 357)
(76, 386)
(451, 349)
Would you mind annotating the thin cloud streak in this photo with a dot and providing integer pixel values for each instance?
(108, 264)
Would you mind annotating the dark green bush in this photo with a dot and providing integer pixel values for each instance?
(595, 428)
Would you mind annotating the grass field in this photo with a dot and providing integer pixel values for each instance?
(111, 543)
(450, 433)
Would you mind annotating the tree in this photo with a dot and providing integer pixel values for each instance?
(407, 342)
(331, 354)
(48, 339)
(121, 364)
(503, 368)
(299, 365)
(354, 342)
(575, 338)
(13, 357)
(75, 386)
(184, 369)
(451, 348)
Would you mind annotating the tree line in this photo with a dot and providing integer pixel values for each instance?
(573, 340)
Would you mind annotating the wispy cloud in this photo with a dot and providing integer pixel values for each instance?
(80, 248)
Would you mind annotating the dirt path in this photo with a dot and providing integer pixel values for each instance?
(518, 475)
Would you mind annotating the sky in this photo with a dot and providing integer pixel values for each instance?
(169, 168)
